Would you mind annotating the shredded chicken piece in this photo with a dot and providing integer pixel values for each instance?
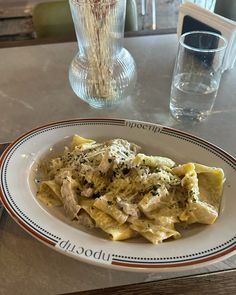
(128, 208)
(69, 197)
(87, 192)
(84, 219)
(61, 175)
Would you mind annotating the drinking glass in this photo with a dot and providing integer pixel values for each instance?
(197, 74)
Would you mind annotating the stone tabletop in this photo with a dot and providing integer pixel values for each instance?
(34, 90)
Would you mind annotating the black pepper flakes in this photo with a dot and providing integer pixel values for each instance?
(125, 171)
(96, 195)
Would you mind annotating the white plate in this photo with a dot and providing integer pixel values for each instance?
(199, 246)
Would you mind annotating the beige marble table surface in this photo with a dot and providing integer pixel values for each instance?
(34, 90)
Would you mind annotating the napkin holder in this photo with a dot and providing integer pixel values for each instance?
(195, 18)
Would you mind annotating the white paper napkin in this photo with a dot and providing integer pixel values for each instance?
(226, 26)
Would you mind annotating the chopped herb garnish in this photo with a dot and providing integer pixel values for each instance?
(96, 195)
(156, 187)
(125, 171)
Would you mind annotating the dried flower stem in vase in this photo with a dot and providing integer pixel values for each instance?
(103, 72)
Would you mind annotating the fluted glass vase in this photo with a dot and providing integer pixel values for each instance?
(103, 72)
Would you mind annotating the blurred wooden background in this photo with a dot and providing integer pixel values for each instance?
(16, 18)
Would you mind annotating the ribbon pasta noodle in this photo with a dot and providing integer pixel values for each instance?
(112, 186)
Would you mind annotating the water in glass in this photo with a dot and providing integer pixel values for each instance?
(192, 96)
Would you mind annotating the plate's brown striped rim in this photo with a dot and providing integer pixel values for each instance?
(177, 263)
(201, 142)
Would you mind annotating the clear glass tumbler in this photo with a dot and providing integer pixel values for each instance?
(197, 74)
(103, 72)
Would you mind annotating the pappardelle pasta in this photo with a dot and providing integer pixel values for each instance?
(113, 186)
